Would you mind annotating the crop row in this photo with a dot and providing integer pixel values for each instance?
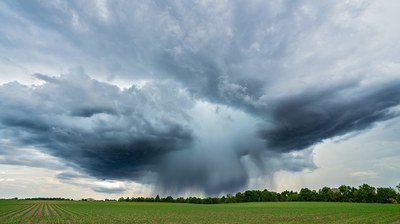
(33, 213)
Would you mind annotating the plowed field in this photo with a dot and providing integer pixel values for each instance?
(20, 211)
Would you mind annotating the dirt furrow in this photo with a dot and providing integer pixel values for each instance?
(39, 213)
(53, 210)
(59, 210)
(32, 212)
(32, 208)
(46, 210)
(27, 217)
(18, 211)
(65, 211)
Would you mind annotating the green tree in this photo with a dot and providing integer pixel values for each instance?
(293, 196)
(239, 197)
(269, 196)
(252, 196)
(168, 199)
(157, 199)
(324, 193)
(386, 195)
(366, 193)
(230, 198)
(284, 195)
(180, 200)
(347, 193)
(306, 194)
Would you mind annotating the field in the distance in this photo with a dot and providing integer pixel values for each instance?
(20, 211)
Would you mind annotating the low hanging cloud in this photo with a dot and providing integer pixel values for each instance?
(127, 134)
(305, 119)
(107, 132)
(228, 90)
(96, 185)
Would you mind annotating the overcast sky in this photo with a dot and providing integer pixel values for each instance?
(133, 98)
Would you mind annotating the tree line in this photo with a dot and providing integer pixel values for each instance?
(364, 193)
(48, 199)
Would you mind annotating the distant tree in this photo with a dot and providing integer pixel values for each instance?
(293, 196)
(268, 196)
(180, 200)
(274, 196)
(230, 198)
(168, 199)
(211, 200)
(194, 200)
(386, 195)
(347, 193)
(252, 196)
(398, 195)
(329, 194)
(306, 194)
(334, 194)
(324, 193)
(285, 195)
(365, 193)
(239, 197)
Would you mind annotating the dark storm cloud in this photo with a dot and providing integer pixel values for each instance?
(293, 66)
(211, 173)
(109, 190)
(303, 120)
(122, 142)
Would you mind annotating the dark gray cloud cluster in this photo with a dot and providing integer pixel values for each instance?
(107, 132)
(305, 119)
(289, 75)
(125, 134)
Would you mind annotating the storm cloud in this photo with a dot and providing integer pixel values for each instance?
(305, 119)
(196, 96)
(108, 132)
(127, 134)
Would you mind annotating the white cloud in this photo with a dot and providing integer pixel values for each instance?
(364, 174)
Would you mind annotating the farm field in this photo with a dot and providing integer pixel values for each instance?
(20, 211)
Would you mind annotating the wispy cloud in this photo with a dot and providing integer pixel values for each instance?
(370, 174)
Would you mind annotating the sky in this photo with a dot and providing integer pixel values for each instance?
(106, 99)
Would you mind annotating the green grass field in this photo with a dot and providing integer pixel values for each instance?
(13, 211)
